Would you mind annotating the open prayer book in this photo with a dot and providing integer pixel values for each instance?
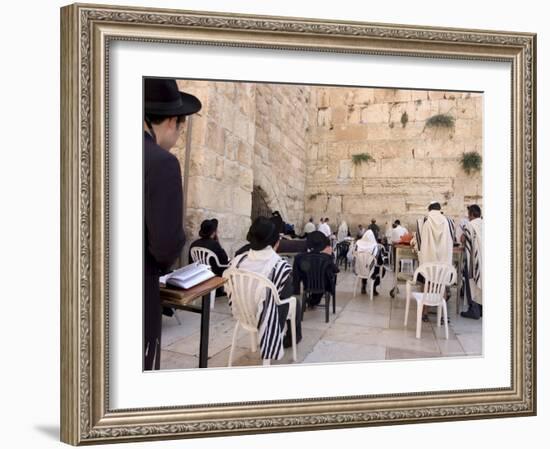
(188, 276)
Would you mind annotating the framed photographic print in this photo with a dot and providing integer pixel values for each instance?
(400, 159)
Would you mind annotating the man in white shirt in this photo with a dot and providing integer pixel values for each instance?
(325, 228)
(397, 232)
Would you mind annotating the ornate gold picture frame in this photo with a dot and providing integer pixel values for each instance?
(87, 33)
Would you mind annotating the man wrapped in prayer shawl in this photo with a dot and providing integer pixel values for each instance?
(473, 267)
(435, 239)
(262, 259)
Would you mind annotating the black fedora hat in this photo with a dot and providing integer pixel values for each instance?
(163, 98)
(208, 227)
(317, 241)
(262, 233)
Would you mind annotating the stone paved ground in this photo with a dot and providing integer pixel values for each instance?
(360, 330)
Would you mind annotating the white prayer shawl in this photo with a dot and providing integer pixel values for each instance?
(473, 245)
(342, 232)
(269, 264)
(367, 243)
(309, 227)
(435, 239)
(325, 229)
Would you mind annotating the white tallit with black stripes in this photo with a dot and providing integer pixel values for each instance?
(473, 247)
(269, 264)
(435, 237)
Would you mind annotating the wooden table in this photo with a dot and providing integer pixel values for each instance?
(403, 251)
(180, 299)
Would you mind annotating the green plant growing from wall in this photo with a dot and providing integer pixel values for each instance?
(471, 162)
(441, 121)
(359, 158)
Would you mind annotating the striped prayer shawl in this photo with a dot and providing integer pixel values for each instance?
(420, 223)
(474, 251)
(271, 332)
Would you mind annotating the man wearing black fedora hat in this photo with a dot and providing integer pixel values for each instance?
(165, 109)
(317, 243)
(261, 258)
(208, 234)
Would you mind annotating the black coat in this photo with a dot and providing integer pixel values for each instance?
(163, 236)
(216, 248)
(300, 277)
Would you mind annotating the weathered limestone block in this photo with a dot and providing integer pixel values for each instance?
(241, 202)
(449, 167)
(375, 113)
(405, 167)
(371, 205)
(246, 178)
(399, 132)
(241, 126)
(244, 154)
(366, 169)
(384, 95)
(437, 95)
(345, 169)
(353, 114)
(203, 163)
(466, 108)
(337, 187)
(425, 109)
(470, 185)
(215, 138)
(336, 151)
(220, 168)
(231, 145)
(448, 107)
(440, 133)
(324, 117)
(363, 96)
(418, 95)
(231, 173)
(412, 186)
(403, 95)
(205, 193)
(227, 119)
(377, 131)
(323, 98)
(339, 115)
(464, 128)
(349, 133)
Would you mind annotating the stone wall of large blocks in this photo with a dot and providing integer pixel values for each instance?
(280, 147)
(413, 163)
(245, 135)
(221, 159)
(297, 143)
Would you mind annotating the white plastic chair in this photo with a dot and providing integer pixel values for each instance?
(437, 276)
(364, 269)
(203, 255)
(248, 291)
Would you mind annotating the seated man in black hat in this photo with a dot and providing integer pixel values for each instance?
(165, 111)
(317, 243)
(209, 240)
(262, 258)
